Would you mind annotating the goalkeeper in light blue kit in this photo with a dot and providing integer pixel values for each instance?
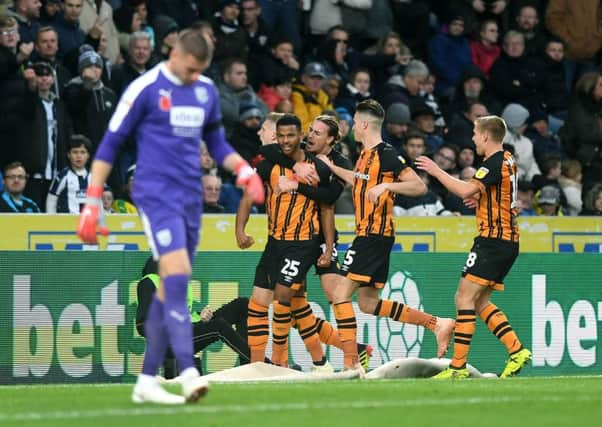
(169, 110)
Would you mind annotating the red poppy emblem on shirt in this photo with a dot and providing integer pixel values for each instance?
(164, 103)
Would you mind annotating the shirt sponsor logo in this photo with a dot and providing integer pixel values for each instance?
(186, 117)
(364, 176)
(481, 173)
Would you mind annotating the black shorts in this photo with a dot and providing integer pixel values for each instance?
(489, 261)
(367, 260)
(334, 266)
(285, 262)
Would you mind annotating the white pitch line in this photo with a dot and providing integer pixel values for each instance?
(200, 409)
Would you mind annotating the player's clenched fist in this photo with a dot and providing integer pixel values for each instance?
(248, 178)
(92, 217)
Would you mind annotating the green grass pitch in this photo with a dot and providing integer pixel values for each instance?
(532, 402)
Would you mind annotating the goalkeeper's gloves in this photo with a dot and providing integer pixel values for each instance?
(92, 217)
(247, 177)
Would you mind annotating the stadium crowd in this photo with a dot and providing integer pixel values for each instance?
(434, 66)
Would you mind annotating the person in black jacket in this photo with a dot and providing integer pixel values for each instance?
(44, 122)
(207, 326)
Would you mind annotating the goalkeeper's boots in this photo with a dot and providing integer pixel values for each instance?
(193, 385)
(148, 390)
(324, 369)
(452, 374)
(364, 352)
(515, 363)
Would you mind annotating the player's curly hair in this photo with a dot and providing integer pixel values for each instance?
(333, 127)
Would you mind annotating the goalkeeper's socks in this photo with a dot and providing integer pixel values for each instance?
(498, 324)
(466, 322)
(177, 319)
(156, 338)
(308, 326)
(402, 313)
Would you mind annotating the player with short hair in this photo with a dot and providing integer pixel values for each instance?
(293, 246)
(379, 174)
(493, 191)
(169, 110)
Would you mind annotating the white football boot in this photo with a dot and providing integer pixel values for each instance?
(147, 389)
(193, 385)
(324, 369)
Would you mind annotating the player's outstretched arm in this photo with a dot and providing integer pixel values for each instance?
(92, 216)
(345, 174)
(243, 240)
(460, 188)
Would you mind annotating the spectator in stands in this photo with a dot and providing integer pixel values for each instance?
(107, 200)
(125, 204)
(466, 158)
(485, 50)
(71, 36)
(581, 134)
(46, 48)
(555, 96)
(473, 87)
(27, 14)
(43, 133)
(282, 17)
(593, 201)
(462, 125)
(538, 131)
(405, 88)
(258, 35)
(423, 118)
(356, 91)
(127, 22)
(12, 200)
(89, 101)
(12, 56)
(208, 163)
(234, 90)
(411, 22)
(515, 116)
(245, 139)
(212, 186)
(166, 34)
(550, 166)
(524, 197)
(476, 11)
(390, 44)
(578, 25)
(138, 57)
(547, 201)
(99, 13)
(67, 192)
(515, 77)
(140, 7)
(427, 92)
(449, 55)
(527, 23)
(278, 64)
(183, 12)
(414, 146)
(231, 38)
(281, 89)
(49, 10)
(570, 182)
(309, 100)
(397, 120)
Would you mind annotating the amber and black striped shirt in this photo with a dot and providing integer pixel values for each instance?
(291, 216)
(498, 209)
(379, 164)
